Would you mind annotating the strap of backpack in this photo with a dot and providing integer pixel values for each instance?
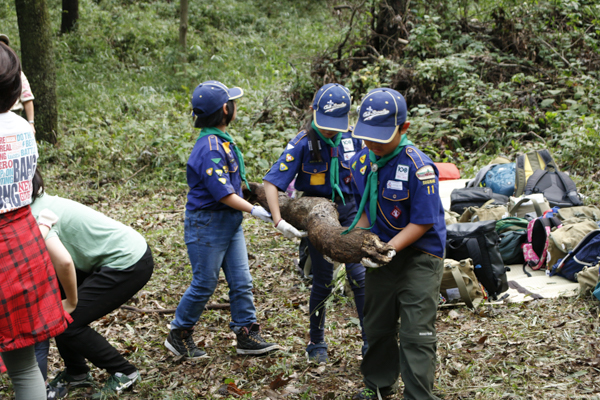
(547, 158)
(462, 288)
(520, 175)
(536, 206)
(533, 180)
(570, 188)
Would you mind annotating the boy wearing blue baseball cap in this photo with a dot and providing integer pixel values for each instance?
(396, 187)
(319, 158)
(213, 226)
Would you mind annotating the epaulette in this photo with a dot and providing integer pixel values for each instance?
(415, 155)
(213, 142)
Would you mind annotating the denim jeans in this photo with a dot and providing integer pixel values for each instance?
(215, 241)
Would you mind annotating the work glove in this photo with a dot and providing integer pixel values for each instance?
(47, 218)
(366, 262)
(259, 212)
(289, 231)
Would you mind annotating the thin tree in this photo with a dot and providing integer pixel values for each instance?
(38, 64)
(183, 22)
(70, 15)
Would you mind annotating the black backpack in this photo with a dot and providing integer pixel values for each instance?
(479, 242)
(558, 188)
(461, 199)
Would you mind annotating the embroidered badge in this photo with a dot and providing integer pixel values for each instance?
(348, 156)
(289, 146)
(219, 172)
(354, 165)
(331, 106)
(394, 185)
(209, 172)
(401, 172)
(396, 212)
(223, 180)
(363, 169)
(425, 173)
(225, 169)
(289, 158)
(363, 158)
(283, 167)
(216, 160)
(347, 145)
(348, 179)
(429, 182)
(369, 113)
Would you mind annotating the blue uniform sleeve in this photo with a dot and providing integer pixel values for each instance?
(424, 189)
(215, 174)
(287, 165)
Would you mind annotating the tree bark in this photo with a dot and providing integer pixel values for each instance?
(70, 15)
(319, 217)
(183, 22)
(38, 64)
(389, 25)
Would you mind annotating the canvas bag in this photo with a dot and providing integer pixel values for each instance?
(450, 217)
(591, 212)
(479, 242)
(557, 187)
(527, 164)
(461, 199)
(486, 212)
(587, 279)
(533, 205)
(565, 239)
(585, 254)
(460, 283)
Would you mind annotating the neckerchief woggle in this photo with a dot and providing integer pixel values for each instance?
(371, 186)
(334, 172)
(227, 137)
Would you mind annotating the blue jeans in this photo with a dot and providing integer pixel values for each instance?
(322, 280)
(215, 240)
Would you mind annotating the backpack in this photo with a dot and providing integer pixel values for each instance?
(567, 238)
(527, 164)
(486, 212)
(463, 198)
(512, 232)
(586, 254)
(479, 242)
(558, 188)
(459, 282)
(538, 236)
(501, 179)
(591, 212)
(481, 174)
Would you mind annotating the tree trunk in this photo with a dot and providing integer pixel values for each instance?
(389, 25)
(38, 64)
(183, 22)
(319, 217)
(70, 15)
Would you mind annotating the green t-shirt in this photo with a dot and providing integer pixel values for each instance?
(93, 239)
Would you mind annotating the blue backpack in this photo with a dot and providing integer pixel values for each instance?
(586, 253)
(501, 179)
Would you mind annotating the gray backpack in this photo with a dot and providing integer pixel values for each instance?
(558, 188)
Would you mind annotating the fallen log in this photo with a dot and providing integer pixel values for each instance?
(319, 217)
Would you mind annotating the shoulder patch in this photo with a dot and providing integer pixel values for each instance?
(363, 158)
(363, 169)
(223, 180)
(283, 167)
(209, 172)
(354, 165)
(216, 160)
(425, 173)
(289, 157)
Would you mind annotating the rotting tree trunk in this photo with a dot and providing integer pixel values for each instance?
(319, 217)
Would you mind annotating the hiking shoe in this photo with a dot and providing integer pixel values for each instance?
(317, 352)
(368, 394)
(116, 384)
(181, 343)
(65, 380)
(250, 342)
(56, 392)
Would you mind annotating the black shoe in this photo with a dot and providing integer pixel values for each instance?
(250, 342)
(368, 394)
(181, 343)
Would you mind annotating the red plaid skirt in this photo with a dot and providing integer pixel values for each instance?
(30, 304)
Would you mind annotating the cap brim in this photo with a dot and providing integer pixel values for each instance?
(235, 93)
(379, 134)
(328, 123)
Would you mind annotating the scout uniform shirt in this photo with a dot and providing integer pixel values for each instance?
(313, 176)
(407, 192)
(212, 173)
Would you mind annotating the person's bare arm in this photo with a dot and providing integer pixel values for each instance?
(29, 113)
(65, 271)
(236, 202)
(272, 195)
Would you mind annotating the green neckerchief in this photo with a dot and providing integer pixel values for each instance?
(227, 137)
(371, 186)
(334, 171)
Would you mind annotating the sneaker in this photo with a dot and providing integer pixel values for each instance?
(368, 394)
(250, 342)
(317, 352)
(116, 384)
(57, 392)
(181, 343)
(65, 380)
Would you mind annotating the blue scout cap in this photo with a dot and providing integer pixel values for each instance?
(331, 107)
(380, 114)
(209, 96)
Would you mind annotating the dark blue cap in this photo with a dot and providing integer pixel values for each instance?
(331, 107)
(381, 112)
(209, 96)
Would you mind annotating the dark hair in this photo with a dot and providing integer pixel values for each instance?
(38, 185)
(217, 118)
(10, 78)
(312, 136)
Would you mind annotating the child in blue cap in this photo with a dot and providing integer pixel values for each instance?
(319, 158)
(213, 226)
(397, 189)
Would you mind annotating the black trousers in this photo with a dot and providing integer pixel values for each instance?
(100, 293)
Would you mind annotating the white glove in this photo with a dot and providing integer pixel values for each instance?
(47, 218)
(289, 231)
(259, 212)
(366, 262)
